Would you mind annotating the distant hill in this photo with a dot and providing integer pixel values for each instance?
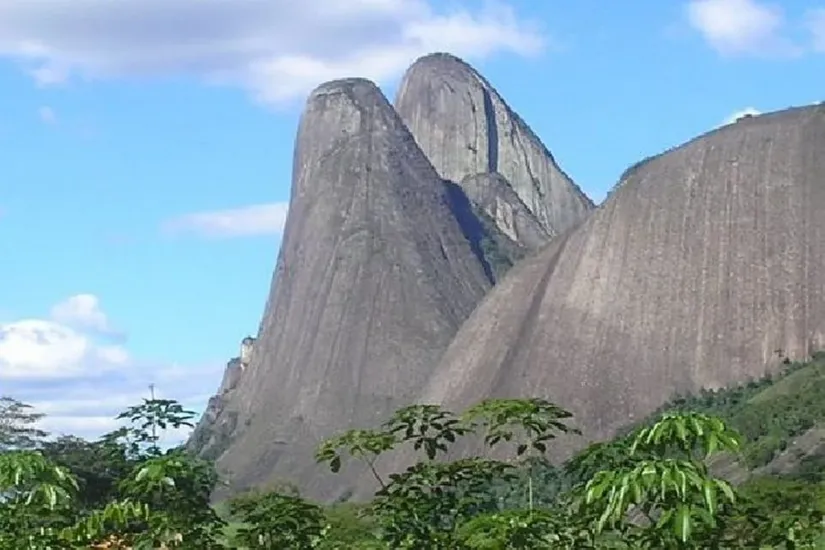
(781, 419)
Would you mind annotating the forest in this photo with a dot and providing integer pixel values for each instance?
(735, 468)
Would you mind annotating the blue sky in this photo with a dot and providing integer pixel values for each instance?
(146, 149)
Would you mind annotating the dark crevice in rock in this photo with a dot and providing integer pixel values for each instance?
(472, 228)
(492, 132)
(441, 98)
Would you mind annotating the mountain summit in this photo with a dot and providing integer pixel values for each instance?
(465, 128)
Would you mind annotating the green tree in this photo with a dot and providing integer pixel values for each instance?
(528, 423)
(669, 485)
(518, 530)
(429, 504)
(99, 467)
(173, 486)
(775, 512)
(277, 521)
(36, 500)
(18, 425)
(148, 422)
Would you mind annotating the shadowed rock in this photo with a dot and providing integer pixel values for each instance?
(496, 201)
(465, 128)
(704, 261)
(373, 279)
(499, 226)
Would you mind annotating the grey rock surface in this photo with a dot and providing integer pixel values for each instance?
(497, 201)
(373, 279)
(701, 264)
(465, 128)
(211, 436)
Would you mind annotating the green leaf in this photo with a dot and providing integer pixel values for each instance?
(709, 493)
(682, 522)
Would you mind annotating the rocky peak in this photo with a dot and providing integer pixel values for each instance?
(374, 277)
(465, 128)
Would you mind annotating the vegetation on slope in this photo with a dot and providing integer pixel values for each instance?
(770, 413)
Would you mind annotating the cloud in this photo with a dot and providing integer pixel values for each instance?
(83, 311)
(259, 219)
(276, 49)
(80, 381)
(747, 111)
(36, 349)
(741, 27)
(85, 414)
(47, 115)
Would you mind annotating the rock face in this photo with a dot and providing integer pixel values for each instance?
(495, 221)
(213, 432)
(247, 347)
(373, 279)
(465, 128)
(496, 201)
(701, 265)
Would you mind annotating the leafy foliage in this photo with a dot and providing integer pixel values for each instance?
(673, 494)
(655, 486)
(18, 425)
(97, 465)
(770, 412)
(277, 521)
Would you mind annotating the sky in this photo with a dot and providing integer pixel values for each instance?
(146, 150)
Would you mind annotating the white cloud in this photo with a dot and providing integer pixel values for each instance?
(259, 219)
(79, 381)
(35, 349)
(47, 115)
(88, 415)
(83, 412)
(736, 27)
(747, 111)
(277, 49)
(83, 311)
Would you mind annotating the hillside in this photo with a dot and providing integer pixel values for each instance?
(781, 417)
